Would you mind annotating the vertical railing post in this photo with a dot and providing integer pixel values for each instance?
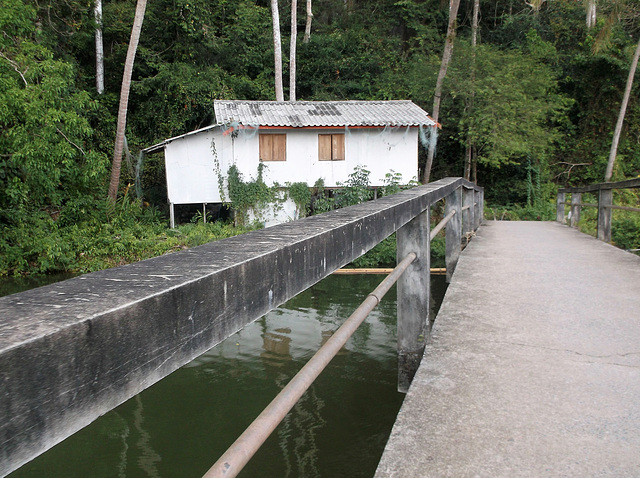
(576, 199)
(479, 214)
(453, 236)
(605, 201)
(560, 199)
(468, 214)
(414, 291)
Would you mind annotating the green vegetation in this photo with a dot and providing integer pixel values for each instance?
(536, 111)
(108, 236)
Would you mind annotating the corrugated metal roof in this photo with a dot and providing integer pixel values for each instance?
(321, 113)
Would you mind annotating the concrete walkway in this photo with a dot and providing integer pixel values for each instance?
(533, 369)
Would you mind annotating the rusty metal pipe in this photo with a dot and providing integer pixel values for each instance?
(441, 224)
(239, 454)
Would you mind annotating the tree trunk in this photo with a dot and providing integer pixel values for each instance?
(99, 48)
(124, 98)
(623, 110)
(307, 28)
(446, 57)
(292, 50)
(277, 50)
(474, 42)
(591, 13)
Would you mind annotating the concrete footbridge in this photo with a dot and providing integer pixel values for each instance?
(533, 366)
(531, 369)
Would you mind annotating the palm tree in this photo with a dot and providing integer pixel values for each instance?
(292, 50)
(124, 99)
(277, 50)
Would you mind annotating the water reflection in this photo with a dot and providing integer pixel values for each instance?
(181, 425)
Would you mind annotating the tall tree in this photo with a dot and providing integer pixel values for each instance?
(307, 28)
(99, 48)
(124, 98)
(590, 6)
(437, 97)
(277, 50)
(292, 50)
(623, 109)
(471, 148)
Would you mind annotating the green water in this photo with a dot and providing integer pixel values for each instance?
(180, 426)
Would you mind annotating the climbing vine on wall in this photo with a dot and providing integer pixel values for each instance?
(300, 194)
(216, 169)
(251, 199)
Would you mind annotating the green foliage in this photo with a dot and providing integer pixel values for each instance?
(251, 198)
(355, 190)
(320, 200)
(45, 135)
(515, 104)
(545, 97)
(301, 196)
(392, 183)
(542, 211)
(110, 235)
(624, 230)
(383, 254)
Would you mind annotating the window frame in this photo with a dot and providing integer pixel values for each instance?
(331, 147)
(272, 147)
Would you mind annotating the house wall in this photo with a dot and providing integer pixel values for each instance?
(192, 169)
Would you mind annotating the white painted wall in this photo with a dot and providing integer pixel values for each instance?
(192, 175)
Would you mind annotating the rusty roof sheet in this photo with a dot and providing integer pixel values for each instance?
(300, 114)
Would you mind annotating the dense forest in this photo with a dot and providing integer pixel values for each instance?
(530, 101)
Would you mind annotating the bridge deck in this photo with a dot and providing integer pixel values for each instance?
(534, 365)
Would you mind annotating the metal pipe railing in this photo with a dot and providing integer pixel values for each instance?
(243, 449)
(434, 232)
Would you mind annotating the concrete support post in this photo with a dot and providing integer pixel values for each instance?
(479, 214)
(468, 214)
(414, 291)
(576, 199)
(453, 232)
(605, 200)
(560, 199)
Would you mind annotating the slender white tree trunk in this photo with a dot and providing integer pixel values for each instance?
(99, 48)
(474, 43)
(277, 50)
(292, 50)
(623, 110)
(446, 58)
(124, 98)
(307, 28)
(591, 13)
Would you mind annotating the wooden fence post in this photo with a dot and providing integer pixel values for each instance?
(453, 231)
(560, 199)
(414, 290)
(605, 200)
(576, 199)
(479, 214)
(468, 214)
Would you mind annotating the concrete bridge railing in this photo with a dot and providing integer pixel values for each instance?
(72, 351)
(604, 192)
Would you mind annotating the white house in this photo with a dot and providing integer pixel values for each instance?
(297, 141)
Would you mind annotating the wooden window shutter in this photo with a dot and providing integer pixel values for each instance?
(266, 147)
(279, 147)
(337, 147)
(273, 147)
(324, 147)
